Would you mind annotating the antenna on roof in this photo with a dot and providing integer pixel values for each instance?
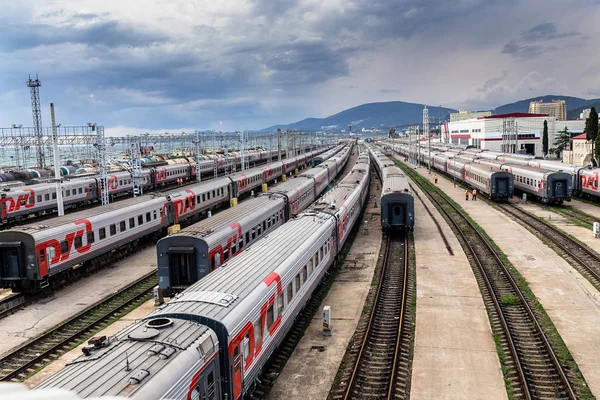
(127, 362)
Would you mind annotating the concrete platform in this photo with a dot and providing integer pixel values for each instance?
(110, 330)
(560, 221)
(585, 207)
(454, 353)
(570, 300)
(309, 374)
(44, 314)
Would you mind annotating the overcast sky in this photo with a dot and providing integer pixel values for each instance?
(144, 66)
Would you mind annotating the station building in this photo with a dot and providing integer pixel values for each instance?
(511, 133)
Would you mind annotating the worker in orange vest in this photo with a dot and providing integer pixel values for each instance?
(466, 195)
(435, 179)
(474, 194)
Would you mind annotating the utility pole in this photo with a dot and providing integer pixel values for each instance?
(426, 131)
(198, 157)
(278, 144)
(59, 197)
(36, 108)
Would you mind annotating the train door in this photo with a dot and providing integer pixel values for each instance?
(396, 214)
(10, 255)
(236, 371)
(206, 386)
(559, 187)
(182, 266)
(502, 187)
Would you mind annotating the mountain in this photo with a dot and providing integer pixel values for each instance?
(573, 113)
(573, 104)
(371, 115)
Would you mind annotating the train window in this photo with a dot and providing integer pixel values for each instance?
(148, 217)
(80, 190)
(68, 193)
(46, 197)
(154, 214)
(42, 256)
(140, 219)
(247, 237)
(122, 226)
(233, 248)
(198, 199)
(310, 266)
(113, 229)
(297, 283)
(131, 223)
(90, 237)
(254, 231)
(78, 241)
(210, 385)
(316, 260)
(39, 198)
(321, 253)
(257, 332)
(203, 197)
(241, 243)
(264, 225)
(270, 316)
(102, 233)
(213, 193)
(304, 273)
(280, 304)
(64, 247)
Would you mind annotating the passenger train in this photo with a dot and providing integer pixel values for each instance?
(212, 340)
(31, 255)
(396, 202)
(491, 180)
(20, 202)
(584, 180)
(190, 254)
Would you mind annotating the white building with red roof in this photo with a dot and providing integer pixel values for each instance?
(512, 133)
(581, 152)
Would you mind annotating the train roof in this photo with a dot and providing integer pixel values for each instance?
(526, 168)
(108, 370)
(224, 291)
(226, 217)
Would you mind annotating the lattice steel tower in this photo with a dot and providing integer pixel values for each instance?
(34, 86)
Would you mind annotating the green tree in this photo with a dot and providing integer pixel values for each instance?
(545, 138)
(591, 132)
(562, 141)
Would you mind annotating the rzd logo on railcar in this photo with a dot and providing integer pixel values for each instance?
(56, 254)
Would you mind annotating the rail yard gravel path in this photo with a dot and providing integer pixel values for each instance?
(570, 300)
(454, 353)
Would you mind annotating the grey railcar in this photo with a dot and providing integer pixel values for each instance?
(548, 186)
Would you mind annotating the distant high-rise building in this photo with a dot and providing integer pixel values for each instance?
(461, 115)
(585, 113)
(556, 108)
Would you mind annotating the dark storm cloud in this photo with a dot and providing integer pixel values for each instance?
(546, 31)
(23, 36)
(536, 41)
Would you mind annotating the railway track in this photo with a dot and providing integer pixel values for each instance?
(10, 303)
(577, 215)
(382, 362)
(578, 255)
(531, 367)
(21, 362)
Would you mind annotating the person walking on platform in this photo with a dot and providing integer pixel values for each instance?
(466, 195)
(435, 179)
(474, 194)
